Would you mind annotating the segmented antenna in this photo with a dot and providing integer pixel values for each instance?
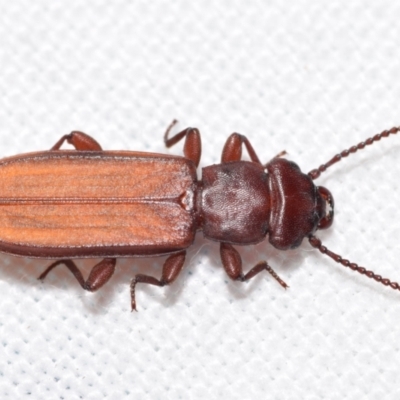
(315, 173)
(315, 242)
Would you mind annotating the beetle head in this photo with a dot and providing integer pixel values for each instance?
(324, 199)
(325, 208)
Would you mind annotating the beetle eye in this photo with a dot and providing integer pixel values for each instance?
(327, 209)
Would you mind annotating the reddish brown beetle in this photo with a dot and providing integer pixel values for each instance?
(87, 202)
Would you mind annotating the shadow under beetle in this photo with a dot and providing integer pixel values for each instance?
(87, 202)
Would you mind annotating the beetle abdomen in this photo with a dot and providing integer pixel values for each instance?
(70, 203)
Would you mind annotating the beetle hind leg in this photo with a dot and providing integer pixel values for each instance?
(172, 267)
(232, 263)
(99, 275)
(81, 141)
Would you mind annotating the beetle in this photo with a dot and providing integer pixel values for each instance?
(87, 202)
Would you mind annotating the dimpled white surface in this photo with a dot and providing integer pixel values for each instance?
(308, 77)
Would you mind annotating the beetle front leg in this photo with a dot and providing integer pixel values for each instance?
(192, 146)
(172, 267)
(80, 140)
(232, 263)
(99, 275)
(232, 150)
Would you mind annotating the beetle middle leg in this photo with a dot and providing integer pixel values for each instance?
(232, 263)
(80, 140)
(99, 275)
(172, 267)
(192, 146)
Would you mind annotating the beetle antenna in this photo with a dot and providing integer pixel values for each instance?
(315, 173)
(315, 242)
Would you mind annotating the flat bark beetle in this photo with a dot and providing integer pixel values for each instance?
(87, 202)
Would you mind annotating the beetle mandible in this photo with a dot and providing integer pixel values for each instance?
(66, 204)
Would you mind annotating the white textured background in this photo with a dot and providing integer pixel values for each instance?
(309, 77)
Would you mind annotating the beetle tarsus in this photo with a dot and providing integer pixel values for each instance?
(172, 267)
(276, 276)
(263, 265)
(133, 300)
(281, 154)
(170, 126)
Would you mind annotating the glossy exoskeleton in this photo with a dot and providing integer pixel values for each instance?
(87, 202)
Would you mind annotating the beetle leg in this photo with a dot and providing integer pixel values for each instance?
(232, 263)
(172, 267)
(192, 146)
(232, 150)
(99, 275)
(281, 154)
(80, 140)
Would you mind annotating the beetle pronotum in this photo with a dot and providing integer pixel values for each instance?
(66, 204)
